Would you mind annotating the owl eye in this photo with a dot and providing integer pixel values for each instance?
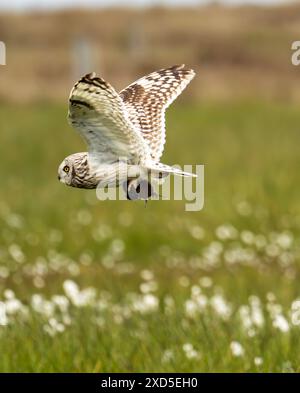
(66, 169)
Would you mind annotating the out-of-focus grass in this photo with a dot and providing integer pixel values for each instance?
(169, 290)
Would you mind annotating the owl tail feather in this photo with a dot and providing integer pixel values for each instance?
(159, 171)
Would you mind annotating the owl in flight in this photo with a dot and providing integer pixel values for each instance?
(125, 131)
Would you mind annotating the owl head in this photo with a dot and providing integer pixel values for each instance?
(72, 169)
(66, 171)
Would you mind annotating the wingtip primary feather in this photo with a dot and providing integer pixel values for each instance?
(182, 67)
(91, 75)
(178, 66)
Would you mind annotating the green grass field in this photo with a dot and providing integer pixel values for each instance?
(96, 286)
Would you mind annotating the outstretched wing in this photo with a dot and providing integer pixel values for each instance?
(98, 113)
(147, 99)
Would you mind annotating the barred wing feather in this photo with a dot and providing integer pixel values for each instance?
(98, 113)
(147, 99)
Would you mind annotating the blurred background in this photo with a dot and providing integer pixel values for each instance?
(238, 51)
(111, 286)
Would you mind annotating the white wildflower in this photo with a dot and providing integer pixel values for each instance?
(3, 316)
(205, 282)
(15, 221)
(146, 303)
(296, 305)
(42, 306)
(191, 308)
(295, 312)
(71, 288)
(271, 297)
(190, 351)
(247, 237)
(38, 282)
(102, 232)
(226, 231)
(16, 253)
(85, 258)
(147, 275)
(272, 250)
(274, 309)
(73, 269)
(284, 240)
(237, 349)
(256, 311)
(117, 247)
(211, 254)
(197, 232)
(9, 294)
(258, 361)
(62, 302)
(56, 326)
(195, 290)
(221, 306)
(245, 317)
(151, 302)
(167, 356)
(4, 272)
(83, 298)
(281, 323)
(13, 306)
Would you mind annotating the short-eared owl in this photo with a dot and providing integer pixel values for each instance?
(125, 132)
